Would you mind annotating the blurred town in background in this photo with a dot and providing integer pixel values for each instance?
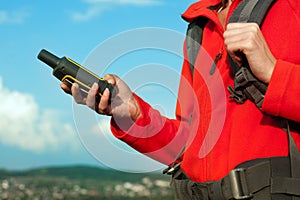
(82, 183)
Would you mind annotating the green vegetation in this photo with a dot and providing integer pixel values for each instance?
(84, 183)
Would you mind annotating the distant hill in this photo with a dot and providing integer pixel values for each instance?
(78, 172)
(82, 182)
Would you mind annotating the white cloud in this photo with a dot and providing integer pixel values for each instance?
(89, 14)
(96, 7)
(23, 124)
(15, 17)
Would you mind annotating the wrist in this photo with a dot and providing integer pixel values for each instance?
(134, 109)
(124, 122)
(269, 72)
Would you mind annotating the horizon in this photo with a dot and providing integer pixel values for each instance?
(39, 125)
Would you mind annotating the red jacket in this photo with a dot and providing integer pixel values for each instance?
(218, 133)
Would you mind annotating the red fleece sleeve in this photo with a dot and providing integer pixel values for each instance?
(153, 135)
(283, 94)
(143, 121)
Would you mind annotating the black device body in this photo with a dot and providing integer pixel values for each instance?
(69, 72)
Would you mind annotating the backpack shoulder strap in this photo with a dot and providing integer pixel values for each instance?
(246, 85)
(251, 11)
(193, 42)
(194, 39)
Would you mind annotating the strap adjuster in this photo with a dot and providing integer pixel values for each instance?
(238, 184)
(238, 96)
(243, 77)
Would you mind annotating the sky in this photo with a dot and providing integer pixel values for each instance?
(40, 125)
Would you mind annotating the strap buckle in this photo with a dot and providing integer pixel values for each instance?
(238, 184)
(243, 77)
(238, 96)
(172, 169)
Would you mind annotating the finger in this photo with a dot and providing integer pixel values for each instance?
(239, 42)
(91, 97)
(241, 26)
(75, 90)
(103, 106)
(110, 78)
(113, 80)
(230, 37)
(65, 88)
(240, 31)
(235, 48)
(243, 43)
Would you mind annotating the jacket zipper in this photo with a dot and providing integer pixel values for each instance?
(216, 60)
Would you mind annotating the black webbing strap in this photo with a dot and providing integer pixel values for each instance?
(194, 39)
(280, 168)
(260, 7)
(294, 155)
(257, 179)
(243, 12)
(246, 86)
(295, 158)
(244, 183)
(181, 186)
(285, 185)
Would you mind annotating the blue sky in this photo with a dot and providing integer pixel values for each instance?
(37, 125)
